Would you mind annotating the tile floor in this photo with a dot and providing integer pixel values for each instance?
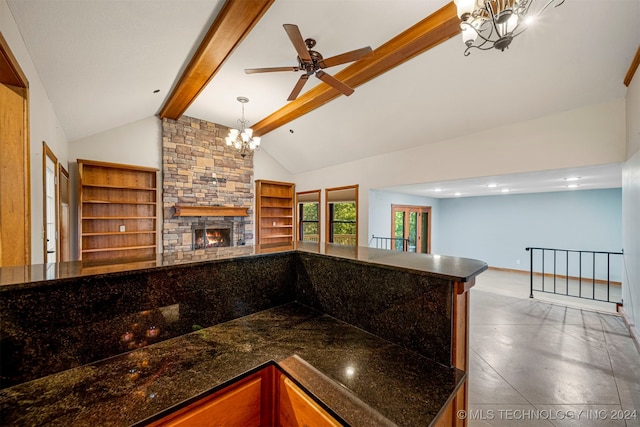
(537, 362)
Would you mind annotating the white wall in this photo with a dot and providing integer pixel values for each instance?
(43, 126)
(265, 167)
(138, 143)
(631, 207)
(587, 136)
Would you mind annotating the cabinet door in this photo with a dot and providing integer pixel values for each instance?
(296, 409)
(235, 406)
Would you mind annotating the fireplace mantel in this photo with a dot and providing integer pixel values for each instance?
(182, 210)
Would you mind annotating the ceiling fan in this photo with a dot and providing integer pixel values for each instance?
(311, 61)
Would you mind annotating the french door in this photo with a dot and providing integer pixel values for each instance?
(411, 228)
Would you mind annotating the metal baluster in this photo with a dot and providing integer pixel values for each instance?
(580, 275)
(530, 272)
(567, 274)
(554, 271)
(608, 278)
(593, 278)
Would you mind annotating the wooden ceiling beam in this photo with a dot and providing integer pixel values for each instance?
(231, 26)
(431, 31)
(632, 68)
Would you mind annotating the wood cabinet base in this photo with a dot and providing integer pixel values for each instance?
(264, 398)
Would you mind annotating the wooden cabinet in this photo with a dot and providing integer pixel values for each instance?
(264, 398)
(274, 212)
(296, 408)
(117, 211)
(236, 405)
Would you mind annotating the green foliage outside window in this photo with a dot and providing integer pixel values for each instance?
(309, 219)
(344, 218)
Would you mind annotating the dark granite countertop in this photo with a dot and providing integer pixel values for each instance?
(446, 267)
(382, 381)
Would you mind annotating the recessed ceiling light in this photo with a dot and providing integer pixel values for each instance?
(505, 190)
(457, 194)
(492, 185)
(572, 186)
(572, 178)
(437, 190)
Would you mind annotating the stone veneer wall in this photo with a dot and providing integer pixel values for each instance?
(192, 151)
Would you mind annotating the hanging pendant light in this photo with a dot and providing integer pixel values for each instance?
(490, 24)
(242, 139)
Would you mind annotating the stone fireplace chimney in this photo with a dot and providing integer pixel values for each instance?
(199, 170)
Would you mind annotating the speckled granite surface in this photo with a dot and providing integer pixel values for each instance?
(412, 310)
(73, 321)
(58, 324)
(400, 385)
(52, 325)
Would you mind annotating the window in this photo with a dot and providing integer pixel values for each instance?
(309, 225)
(342, 227)
(308, 217)
(342, 215)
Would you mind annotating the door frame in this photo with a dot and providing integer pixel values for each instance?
(47, 153)
(11, 74)
(421, 210)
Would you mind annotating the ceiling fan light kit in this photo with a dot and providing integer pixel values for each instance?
(242, 139)
(312, 62)
(490, 24)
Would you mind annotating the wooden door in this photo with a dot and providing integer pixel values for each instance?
(15, 191)
(413, 225)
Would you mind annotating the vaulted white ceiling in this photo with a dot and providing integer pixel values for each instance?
(100, 62)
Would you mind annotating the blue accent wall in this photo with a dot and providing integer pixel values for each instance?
(497, 229)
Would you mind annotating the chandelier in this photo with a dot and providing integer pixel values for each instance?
(242, 139)
(490, 24)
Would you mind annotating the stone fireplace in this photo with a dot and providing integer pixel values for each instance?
(207, 188)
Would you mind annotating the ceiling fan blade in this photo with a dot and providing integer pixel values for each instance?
(298, 87)
(330, 80)
(346, 57)
(298, 42)
(269, 69)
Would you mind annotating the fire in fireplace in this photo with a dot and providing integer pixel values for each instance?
(214, 237)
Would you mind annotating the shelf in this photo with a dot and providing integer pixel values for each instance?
(277, 236)
(267, 196)
(119, 248)
(276, 216)
(276, 226)
(119, 187)
(116, 202)
(117, 217)
(118, 233)
(114, 194)
(182, 210)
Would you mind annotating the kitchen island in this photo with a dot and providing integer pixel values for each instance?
(373, 335)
